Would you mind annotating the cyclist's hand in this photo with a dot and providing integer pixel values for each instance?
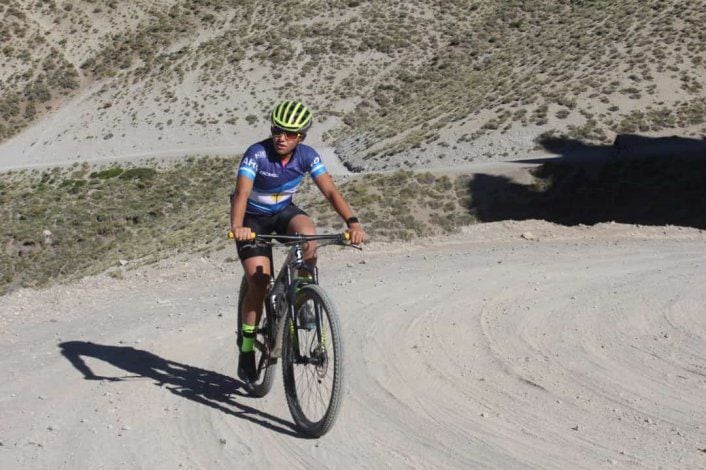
(357, 234)
(241, 234)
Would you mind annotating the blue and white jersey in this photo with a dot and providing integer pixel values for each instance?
(274, 184)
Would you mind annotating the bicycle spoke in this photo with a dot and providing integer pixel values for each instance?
(315, 390)
(313, 384)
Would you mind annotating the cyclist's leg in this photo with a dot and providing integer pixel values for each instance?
(294, 220)
(257, 273)
(302, 223)
(255, 259)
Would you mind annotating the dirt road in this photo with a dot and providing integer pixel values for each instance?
(512, 345)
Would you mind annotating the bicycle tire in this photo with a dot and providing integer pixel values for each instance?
(327, 357)
(263, 384)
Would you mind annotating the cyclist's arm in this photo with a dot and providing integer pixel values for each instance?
(325, 184)
(238, 203)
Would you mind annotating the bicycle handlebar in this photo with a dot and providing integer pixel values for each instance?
(345, 236)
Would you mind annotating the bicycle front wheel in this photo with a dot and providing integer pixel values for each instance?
(312, 363)
(265, 366)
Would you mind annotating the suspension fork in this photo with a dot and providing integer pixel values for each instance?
(292, 284)
(291, 300)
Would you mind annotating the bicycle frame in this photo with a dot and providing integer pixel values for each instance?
(287, 278)
(312, 352)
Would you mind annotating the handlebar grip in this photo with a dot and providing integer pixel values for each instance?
(231, 235)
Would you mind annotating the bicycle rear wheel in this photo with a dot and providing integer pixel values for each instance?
(265, 367)
(313, 378)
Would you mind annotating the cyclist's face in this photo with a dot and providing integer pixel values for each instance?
(285, 142)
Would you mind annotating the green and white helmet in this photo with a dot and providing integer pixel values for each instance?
(292, 116)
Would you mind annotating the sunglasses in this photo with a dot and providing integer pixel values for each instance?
(289, 135)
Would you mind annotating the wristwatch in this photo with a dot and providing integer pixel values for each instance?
(352, 220)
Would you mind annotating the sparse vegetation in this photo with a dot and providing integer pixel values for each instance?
(396, 78)
(61, 224)
(537, 64)
(65, 223)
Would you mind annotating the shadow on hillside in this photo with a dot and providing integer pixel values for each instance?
(202, 386)
(637, 180)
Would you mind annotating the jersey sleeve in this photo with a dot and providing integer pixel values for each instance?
(316, 166)
(248, 165)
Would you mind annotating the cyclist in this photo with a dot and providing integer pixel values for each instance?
(268, 176)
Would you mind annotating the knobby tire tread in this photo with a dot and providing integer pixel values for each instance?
(323, 425)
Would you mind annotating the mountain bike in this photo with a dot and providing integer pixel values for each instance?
(299, 324)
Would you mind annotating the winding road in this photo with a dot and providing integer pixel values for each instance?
(570, 348)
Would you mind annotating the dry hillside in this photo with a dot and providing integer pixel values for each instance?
(416, 83)
(505, 314)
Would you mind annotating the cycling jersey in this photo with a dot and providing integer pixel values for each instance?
(274, 184)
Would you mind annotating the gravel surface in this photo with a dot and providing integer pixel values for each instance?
(510, 345)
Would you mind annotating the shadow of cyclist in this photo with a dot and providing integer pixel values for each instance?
(202, 386)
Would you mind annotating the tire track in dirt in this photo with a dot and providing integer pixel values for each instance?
(584, 349)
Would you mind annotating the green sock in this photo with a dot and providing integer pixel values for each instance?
(248, 338)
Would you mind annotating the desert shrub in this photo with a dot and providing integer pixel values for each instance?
(138, 174)
(107, 174)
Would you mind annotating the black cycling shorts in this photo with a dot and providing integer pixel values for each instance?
(265, 225)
